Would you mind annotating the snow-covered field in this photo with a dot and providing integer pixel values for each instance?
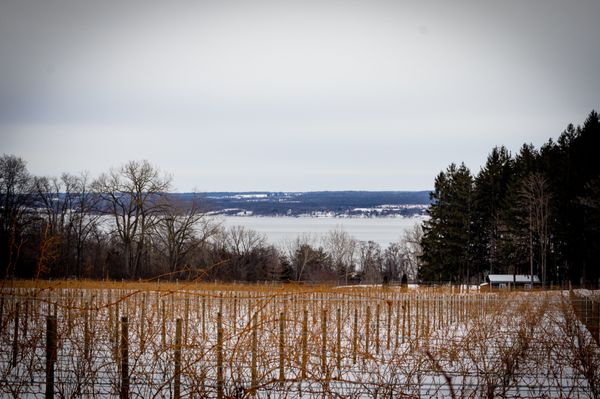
(358, 343)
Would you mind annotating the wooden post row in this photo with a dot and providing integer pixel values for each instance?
(177, 376)
(50, 355)
(124, 358)
(220, 380)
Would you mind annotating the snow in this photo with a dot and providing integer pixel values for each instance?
(511, 278)
(518, 345)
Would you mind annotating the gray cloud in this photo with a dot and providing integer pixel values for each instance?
(291, 95)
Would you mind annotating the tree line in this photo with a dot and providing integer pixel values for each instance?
(535, 213)
(125, 224)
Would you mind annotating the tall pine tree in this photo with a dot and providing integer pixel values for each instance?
(447, 242)
(491, 186)
(491, 223)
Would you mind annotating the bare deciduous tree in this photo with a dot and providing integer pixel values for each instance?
(69, 217)
(131, 195)
(371, 262)
(52, 197)
(84, 217)
(341, 248)
(301, 254)
(241, 241)
(182, 226)
(410, 244)
(394, 261)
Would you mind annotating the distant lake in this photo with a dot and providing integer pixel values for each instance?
(280, 230)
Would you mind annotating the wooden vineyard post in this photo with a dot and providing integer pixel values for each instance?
(177, 377)
(143, 325)
(428, 318)
(355, 340)
(116, 331)
(424, 315)
(377, 316)
(157, 295)
(420, 317)
(110, 317)
(249, 309)
(304, 343)
(397, 326)
(324, 342)
(69, 316)
(436, 309)
(441, 309)
(221, 303)
(203, 318)
(172, 300)
(389, 324)
(235, 314)
(187, 319)
(448, 309)
(124, 358)
(404, 312)
(254, 374)
(461, 309)
(470, 308)
(163, 327)
(431, 314)
(456, 311)
(285, 306)
(220, 379)
(15, 346)
(338, 348)
(220, 382)
(281, 347)
(50, 355)
(416, 306)
(367, 332)
(457, 307)
(25, 317)
(450, 314)
(86, 332)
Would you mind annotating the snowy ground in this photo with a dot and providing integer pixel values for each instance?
(383, 344)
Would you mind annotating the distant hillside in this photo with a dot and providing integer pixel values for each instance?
(370, 203)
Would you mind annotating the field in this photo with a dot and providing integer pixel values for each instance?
(147, 340)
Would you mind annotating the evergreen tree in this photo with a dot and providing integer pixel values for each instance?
(15, 187)
(537, 212)
(447, 240)
(571, 164)
(517, 244)
(491, 186)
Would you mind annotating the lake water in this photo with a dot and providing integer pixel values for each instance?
(280, 230)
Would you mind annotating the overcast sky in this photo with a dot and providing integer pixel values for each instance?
(291, 95)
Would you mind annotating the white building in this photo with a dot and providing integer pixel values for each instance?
(511, 280)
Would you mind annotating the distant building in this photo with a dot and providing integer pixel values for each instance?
(511, 280)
